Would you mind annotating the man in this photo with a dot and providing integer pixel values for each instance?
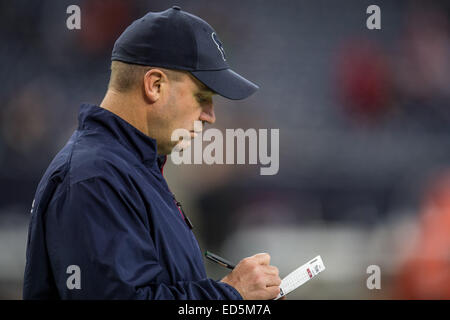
(104, 223)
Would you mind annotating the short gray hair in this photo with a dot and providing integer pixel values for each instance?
(126, 76)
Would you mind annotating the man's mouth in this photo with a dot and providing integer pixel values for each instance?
(197, 129)
(196, 132)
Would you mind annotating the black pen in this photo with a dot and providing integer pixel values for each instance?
(215, 258)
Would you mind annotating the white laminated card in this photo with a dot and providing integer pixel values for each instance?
(301, 275)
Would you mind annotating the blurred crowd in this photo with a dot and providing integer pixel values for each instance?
(364, 115)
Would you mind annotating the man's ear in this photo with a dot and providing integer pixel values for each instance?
(155, 82)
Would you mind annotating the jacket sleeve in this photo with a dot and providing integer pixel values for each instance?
(100, 247)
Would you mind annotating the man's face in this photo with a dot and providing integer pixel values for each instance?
(188, 101)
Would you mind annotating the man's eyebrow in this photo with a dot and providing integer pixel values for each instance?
(206, 90)
(201, 87)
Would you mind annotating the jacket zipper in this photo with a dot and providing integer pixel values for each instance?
(180, 208)
(178, 203)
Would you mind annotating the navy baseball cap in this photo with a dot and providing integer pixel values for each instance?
(175, 39)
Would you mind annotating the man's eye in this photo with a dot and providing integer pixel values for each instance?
(202, 99)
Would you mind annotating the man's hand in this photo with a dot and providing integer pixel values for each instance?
(254, 278)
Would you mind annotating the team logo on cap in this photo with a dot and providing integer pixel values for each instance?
(219, 45)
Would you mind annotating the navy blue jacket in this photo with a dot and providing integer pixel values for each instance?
(104, 207)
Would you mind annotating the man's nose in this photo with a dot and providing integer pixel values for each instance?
(208, 114)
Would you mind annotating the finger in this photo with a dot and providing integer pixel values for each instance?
(272, 292)
(262, 258)
(273, 281)
(271, 270)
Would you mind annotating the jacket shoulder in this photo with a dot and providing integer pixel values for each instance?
(93, 158)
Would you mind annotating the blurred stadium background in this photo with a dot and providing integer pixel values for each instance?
(364, 119)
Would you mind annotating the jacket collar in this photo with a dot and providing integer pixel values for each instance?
(145, 148)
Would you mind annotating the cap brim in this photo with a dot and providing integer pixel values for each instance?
(226, 83)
